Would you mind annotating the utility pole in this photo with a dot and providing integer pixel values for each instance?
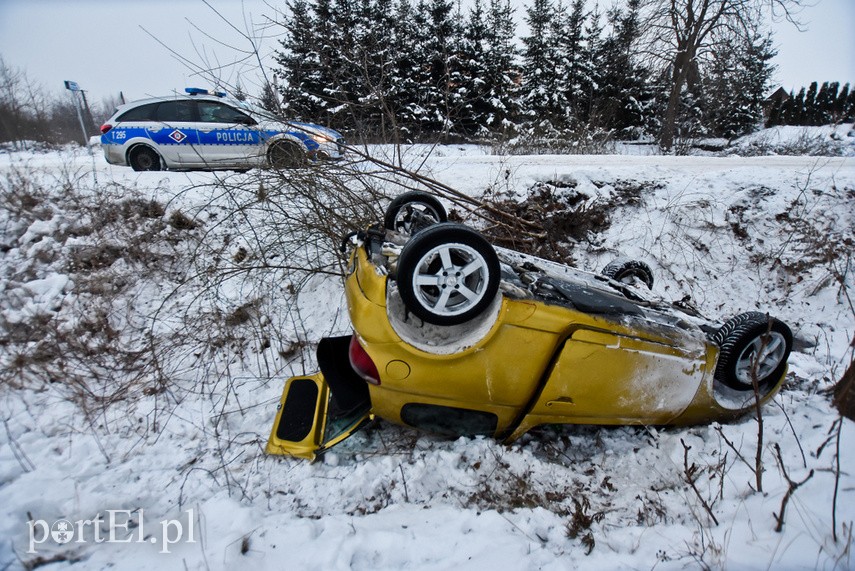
(90, 122)
(75, 89)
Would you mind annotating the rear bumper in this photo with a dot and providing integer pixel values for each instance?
(114, 154)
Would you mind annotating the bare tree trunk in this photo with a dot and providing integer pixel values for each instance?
(669, 122)
(682, 65)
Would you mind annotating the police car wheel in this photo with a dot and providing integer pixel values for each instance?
(284, 155)
(144, 159)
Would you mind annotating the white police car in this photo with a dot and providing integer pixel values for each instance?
(207, 130)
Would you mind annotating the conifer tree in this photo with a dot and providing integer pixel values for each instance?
(299, 63)
(849, 107)
(825, 100)
(574, 82)
(840, 105)
(501, 76)
(468, 75)
(543, 108)
(624, 98)
(809, 112)
(735, 84)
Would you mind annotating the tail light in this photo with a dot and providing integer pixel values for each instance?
(362, 363)
(105, 128)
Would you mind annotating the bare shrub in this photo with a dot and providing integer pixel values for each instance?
(561, 212)
(580, 523)
(584, 140)
(807, 143)
(74, 250)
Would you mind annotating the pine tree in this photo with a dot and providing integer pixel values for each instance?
(810, 116)
(840, 111)
(543, 106)
(735, 84)
(593, 32)
(268, 98)
(581, 71)
(501, 75)
(624, 101)
(849, 108)
(238, 92)
(468, 75)
(825, 102)
(371, 59)
(299, 63)
(797, 109)
(402, 118)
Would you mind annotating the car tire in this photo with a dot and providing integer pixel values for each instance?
(748, 340)
(286, 155)
(448, 274)
(412, 212)
(627, 271)
(144, 159)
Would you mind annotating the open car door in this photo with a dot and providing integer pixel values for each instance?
(310, 419)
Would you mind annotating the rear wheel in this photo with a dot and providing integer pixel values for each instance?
(145, 159)
(752, 345)
(629, 271)
(413, 211)
(448, 274)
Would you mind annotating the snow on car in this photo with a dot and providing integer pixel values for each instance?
(207, 130)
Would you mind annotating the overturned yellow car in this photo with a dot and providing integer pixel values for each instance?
(456, 337)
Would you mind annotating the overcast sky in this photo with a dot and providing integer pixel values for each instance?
(108, 46)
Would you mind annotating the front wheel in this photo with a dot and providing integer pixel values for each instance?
(752, 346)
(285, 155)
(448, 274)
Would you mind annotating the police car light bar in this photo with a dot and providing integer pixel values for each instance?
(200, 91)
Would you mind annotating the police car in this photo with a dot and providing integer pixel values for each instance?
(207, 130)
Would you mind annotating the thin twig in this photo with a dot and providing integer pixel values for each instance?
(690, 473)
(836, 481)
(733, 447)
(791, 489)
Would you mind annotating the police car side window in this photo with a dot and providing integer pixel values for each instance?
(213, 112)
(176, 111)
(141, 113)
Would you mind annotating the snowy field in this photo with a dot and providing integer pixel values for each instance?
(131, 383)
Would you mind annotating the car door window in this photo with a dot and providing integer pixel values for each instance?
(213, 112)
(142, 113)
(176, 111)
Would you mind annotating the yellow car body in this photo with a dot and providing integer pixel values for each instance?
(526, 361)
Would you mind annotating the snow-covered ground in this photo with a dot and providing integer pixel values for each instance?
(89, 261)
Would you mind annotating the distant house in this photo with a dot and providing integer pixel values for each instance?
(778, 97)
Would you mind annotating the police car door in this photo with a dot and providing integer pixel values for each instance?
(228, 136)
(173, 130)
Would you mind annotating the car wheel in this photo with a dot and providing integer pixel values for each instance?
(145, 159)
(752, 344)
(448, 274)
(628, 271)
(286, 155)
(413, 211)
